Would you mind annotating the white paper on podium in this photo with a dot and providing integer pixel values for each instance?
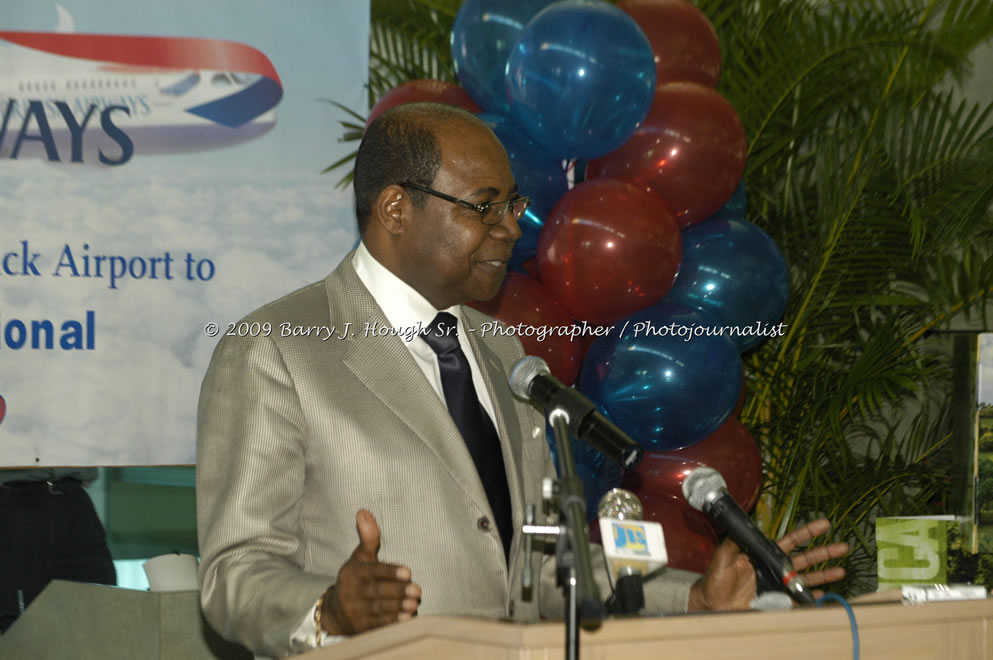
(172, 572)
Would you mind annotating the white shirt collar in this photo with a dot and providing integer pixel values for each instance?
(403, 306)
(404, 309)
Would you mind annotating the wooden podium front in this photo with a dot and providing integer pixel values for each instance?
(961, 630)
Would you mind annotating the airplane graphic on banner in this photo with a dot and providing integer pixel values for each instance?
(102, 99)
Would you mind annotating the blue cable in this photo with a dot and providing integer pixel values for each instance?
(851, 619)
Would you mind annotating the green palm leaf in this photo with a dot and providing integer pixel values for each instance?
(408, 40)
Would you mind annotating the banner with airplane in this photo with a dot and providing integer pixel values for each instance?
(160, 177)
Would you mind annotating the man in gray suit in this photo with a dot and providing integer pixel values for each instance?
(336, 492)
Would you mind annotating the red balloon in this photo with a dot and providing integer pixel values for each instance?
(683, 40)
(437, 91)
(531, 268)
(529, 307)
(730, 450)
(659, 474)
(690, 150)
(608, 249)
(690, 540)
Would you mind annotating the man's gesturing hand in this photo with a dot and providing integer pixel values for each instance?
(729, 583)
(368, 593)
(800, 537)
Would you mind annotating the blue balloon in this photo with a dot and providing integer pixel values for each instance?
(539, 176)
(483, 33)
(733, 270)
(666, 381)
(598, 473)
(581, 78)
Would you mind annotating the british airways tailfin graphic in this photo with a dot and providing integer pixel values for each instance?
(103, 99)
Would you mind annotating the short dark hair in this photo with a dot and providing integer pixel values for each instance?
(400, 146)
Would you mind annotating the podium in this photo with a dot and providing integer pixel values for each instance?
(93, 621)
(89, 621)
(936, 631)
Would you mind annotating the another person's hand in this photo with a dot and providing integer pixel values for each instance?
(368, 593)
(729, 582)
(801, 536)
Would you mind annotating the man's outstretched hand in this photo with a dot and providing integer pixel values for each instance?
(368, 593)
(729, 582)
(800, 537)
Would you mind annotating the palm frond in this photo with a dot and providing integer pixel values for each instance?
(409, 40)
(865, 166)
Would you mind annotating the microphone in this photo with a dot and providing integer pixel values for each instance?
(631, 546)
(706, 491)
(532, 380)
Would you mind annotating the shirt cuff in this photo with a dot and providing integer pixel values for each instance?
(308, 636)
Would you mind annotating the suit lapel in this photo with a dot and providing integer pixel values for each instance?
(387, 369)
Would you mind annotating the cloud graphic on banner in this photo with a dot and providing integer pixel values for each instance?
(101, 359)
(133, 398)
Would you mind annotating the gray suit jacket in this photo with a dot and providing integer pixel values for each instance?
(297, 433)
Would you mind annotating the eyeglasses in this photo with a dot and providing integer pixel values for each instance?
(490, 213)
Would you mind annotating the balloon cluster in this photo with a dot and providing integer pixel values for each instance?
(646, 266)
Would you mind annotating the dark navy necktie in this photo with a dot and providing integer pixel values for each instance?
(472, 420)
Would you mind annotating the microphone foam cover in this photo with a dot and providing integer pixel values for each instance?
(525, 371)
(700, 484)
(621, 504)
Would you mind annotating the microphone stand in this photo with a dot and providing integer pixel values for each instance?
(572, 548)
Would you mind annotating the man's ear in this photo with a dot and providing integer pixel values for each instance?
(392, 209)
